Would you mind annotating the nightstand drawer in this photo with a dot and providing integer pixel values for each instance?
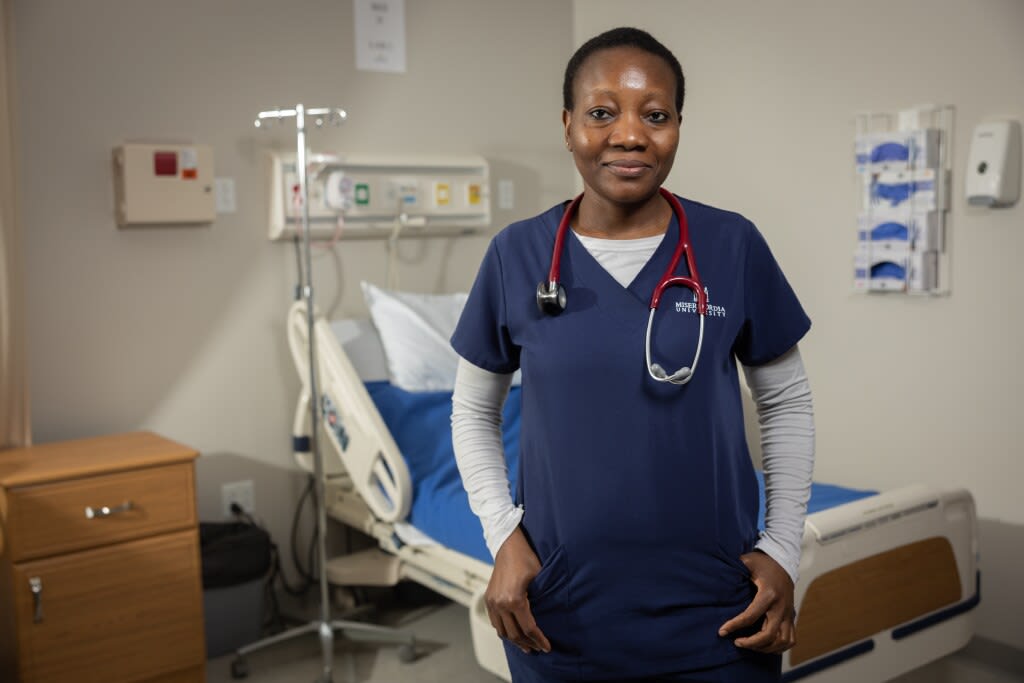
(122, 613)
(47, 519)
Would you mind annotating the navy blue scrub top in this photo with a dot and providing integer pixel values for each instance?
(639, 497)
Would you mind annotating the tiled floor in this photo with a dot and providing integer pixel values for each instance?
(958, 668)
(446, 656)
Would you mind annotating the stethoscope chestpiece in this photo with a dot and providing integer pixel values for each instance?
(551, 298)
(680, 376)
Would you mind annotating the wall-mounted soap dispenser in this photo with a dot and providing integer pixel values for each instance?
(993, 166)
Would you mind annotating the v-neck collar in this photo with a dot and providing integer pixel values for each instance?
(612, 296)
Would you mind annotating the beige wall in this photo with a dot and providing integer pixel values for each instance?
(906, 389)
(181, 330)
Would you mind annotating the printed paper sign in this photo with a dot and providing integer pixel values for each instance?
(380, 35)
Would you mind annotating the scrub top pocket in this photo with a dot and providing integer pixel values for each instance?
(548, 594)
(735, 573)
(552, 576)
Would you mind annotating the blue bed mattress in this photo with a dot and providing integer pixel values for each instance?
(420, 424)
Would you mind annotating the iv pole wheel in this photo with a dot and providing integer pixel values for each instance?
(239, 668)
(407, 652)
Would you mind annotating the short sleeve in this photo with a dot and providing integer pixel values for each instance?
(482, 335)
(774, 321)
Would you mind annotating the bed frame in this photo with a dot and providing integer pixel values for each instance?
(888, 583)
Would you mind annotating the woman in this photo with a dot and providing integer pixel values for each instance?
(634, 553)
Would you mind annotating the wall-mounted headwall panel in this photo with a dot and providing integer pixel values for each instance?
(362, 196)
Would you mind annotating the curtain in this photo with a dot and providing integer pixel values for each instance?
(14, 401)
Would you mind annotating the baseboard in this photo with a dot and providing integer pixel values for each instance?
(995, 654)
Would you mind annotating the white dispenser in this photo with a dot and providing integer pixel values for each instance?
(993, 166)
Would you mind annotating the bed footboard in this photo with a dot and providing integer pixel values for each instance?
(887, 585)
(490, 653)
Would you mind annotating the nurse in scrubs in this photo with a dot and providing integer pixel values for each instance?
(631, 551)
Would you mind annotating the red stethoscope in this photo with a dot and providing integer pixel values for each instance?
(551, 298)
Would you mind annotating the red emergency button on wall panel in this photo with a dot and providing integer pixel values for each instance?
(165, 163)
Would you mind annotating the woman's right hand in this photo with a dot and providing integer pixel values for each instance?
(508, 607)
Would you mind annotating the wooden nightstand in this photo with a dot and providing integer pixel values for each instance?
(100, 575)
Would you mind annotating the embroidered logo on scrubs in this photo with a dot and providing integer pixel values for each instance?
(691, 306)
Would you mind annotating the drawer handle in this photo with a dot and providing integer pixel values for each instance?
(36, 585)
(94, 513)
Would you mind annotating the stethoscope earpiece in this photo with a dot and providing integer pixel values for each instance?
(551, 298)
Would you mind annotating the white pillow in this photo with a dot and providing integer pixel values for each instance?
(415, 330)
(361, 343)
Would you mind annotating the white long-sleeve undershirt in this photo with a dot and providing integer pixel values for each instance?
(780, 391)
(785, 411)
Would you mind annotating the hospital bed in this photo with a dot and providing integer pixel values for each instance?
(888, 580)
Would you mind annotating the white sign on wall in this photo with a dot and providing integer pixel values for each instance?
(380, 35)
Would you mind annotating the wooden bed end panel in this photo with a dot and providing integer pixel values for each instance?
(857, 600)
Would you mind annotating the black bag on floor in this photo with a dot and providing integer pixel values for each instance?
(233, 553)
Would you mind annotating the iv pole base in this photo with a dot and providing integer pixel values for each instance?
(352, 630)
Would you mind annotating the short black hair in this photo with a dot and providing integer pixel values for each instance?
(622, 37)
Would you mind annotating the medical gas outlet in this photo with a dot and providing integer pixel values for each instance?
(363, 196)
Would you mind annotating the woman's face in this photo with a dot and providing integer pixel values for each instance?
(623, 129)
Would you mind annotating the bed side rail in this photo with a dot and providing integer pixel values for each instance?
(442, 569)
(354, 430)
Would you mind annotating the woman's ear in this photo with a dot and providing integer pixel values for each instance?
(567, 123)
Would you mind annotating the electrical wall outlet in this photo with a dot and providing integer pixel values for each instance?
(506, 194)
(224, 195)
(239, 492)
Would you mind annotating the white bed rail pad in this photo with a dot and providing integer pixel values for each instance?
(350, 422)
(832, 524)
(889, 549)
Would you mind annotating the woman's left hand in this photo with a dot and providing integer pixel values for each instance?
(773, 601)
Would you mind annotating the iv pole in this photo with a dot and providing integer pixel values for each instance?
(324, 627)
